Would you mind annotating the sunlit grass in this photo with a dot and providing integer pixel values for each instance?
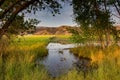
(108, 61)
(63, 39)
(63, 36)
(18, 60)
(18, 57)
(29, 40)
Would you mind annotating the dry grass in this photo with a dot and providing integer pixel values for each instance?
(19, 62)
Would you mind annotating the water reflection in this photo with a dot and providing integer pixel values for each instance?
(59, 59)
(58, 63)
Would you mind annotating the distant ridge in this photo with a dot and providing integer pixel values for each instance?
(61, 30)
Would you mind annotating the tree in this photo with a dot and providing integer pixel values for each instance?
(9, 9)
(96, 14)
(20, 25)
(30, 25)
(17, 25)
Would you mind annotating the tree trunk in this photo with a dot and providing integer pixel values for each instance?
(1, 2)
(1, 33)
(5, 27)
(101, 41)
(107, 36)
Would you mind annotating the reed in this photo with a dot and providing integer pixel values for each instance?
(18, 61)
(18, 58)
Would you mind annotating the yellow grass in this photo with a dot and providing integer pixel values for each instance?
(18, 62)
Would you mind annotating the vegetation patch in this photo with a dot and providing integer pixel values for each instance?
(61, 39)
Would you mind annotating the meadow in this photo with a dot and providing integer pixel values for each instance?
(18, 60)
(18, 57)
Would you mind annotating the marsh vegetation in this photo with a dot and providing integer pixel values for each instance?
(19, 61)
(95, 55)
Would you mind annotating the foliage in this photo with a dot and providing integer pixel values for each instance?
(95, 15)
(107, 60)
(20, 61)
(81, 34)
(93, 12)
(20, 25)
(10, 9)
(18, 58)
(63, 39)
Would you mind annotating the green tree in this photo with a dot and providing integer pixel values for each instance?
(96, 15)
(20, 25)
(9, 9)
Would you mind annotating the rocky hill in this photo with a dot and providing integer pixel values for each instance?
(62, 30)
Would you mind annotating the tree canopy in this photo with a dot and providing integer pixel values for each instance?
(96, 15)
(21, 25)
(9, 9)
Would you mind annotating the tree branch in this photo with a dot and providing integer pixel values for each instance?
(118, 1)
(105, 5)
(8, 9)
(12, 17)
(1, 2)
(116, 8)
(115, 15)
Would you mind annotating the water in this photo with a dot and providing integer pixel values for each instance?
(58, 46)
(59, 59)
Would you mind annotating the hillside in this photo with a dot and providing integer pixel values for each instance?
(62, 30)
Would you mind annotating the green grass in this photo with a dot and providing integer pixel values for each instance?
(31, 40)
(18, 60)
(108, 61)
(63, 39)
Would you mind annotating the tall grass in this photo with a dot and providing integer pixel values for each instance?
(19, 61)
(63, 39)
(108, 61)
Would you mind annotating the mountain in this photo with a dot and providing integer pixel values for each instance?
(61, 30)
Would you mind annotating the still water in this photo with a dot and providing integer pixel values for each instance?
(59, 59)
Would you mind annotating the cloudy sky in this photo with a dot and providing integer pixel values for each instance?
(65, 18)
(46, 18)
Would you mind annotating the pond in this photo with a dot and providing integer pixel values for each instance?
(59, 59)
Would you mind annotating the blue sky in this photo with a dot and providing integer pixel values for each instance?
(65, 18)
(46, 18)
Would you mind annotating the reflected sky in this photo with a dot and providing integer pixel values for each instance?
(59, 60)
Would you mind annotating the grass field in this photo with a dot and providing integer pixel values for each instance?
(18, 60)
(108, 61)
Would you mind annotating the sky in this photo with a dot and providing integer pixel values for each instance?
(65, 18)
(46, 18)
